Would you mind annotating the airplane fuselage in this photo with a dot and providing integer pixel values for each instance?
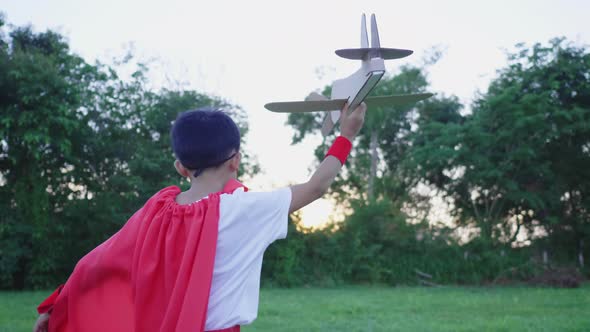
(357, 86)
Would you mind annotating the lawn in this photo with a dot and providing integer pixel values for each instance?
(365, 308)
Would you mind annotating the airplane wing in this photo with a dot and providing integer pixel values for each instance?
(393, 53)
(306, 106)
(363, 53)
(385, 101)
(337, 104)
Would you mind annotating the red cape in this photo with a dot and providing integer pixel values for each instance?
(153, 275)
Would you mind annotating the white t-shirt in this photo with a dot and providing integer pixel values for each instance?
(248, 223)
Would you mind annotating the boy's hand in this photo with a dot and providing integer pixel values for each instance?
(352, 122)
(42, 323)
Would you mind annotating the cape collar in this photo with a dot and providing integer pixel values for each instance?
(232, 185)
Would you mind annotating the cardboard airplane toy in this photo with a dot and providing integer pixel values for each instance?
(354, 88)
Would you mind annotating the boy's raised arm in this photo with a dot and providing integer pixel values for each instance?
(305, 193)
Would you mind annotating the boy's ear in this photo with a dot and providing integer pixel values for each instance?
(234, 163)
(183, 171)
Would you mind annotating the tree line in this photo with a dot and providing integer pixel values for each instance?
(81, 149)
(513, 171)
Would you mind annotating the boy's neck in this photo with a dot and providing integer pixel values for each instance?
(207, 184)
(202, 186)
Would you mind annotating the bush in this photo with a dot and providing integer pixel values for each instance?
(376, 244)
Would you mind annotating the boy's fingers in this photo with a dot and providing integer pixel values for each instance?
(363, 107)
(360, 110)
(344, 111)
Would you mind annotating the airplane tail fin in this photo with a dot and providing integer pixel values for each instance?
(374, 50)
(364, 36)
(374, 33)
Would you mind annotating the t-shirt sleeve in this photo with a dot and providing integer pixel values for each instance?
(260, 215)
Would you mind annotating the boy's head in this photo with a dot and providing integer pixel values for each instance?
(204, 138)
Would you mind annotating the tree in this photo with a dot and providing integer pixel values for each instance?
(521, 159)
(80, 151)
(41, 84)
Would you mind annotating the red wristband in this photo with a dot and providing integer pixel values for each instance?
(340, 149)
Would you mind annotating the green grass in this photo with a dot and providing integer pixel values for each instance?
(366, 308)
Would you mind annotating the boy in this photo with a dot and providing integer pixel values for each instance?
(190, 261)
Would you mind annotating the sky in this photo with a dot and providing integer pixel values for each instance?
(255, 52)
